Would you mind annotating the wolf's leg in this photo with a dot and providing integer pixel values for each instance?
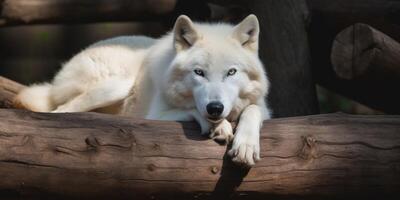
(104, 93)
(246, 144)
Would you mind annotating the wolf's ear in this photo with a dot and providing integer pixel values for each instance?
(185, 35)
(247, 31)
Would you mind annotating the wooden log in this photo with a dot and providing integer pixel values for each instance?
(48, 11)
(362, 52)
(8, 90)
(89, 155)
(329, 18)
(366, 63)
(285, 52)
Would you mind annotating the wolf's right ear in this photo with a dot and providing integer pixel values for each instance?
(246, 32)
(185, 35)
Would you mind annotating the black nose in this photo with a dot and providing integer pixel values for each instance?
(215, 108)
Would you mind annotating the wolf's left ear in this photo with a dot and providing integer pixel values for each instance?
(247, 31)
(185, 35)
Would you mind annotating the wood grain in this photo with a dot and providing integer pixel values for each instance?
(367, 64)
(362, 52)
(329, 18)
(89, 155)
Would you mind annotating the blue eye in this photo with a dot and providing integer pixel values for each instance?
(231, 72)
(199, 72)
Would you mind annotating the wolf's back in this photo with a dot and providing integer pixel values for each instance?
(35, 98)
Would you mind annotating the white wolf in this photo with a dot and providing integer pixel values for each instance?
(209, 73)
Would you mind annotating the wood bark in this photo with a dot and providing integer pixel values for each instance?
(8, 90)
(368, 62)
(285, 52)
(362, 52)
(89, 155)
(329, 18)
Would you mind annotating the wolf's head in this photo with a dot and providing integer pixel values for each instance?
(216, 68)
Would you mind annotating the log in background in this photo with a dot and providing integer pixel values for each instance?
(369, 62)
(89, 155)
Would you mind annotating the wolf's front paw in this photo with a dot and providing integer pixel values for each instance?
(222, 132)
(245, 151)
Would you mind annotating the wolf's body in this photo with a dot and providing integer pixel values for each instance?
(209, 73)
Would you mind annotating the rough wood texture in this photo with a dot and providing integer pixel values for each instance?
(367, 63)
(88, 155)
(48, 11)
(331, 17)
(362, 52)
(285, 53)
(8, 89)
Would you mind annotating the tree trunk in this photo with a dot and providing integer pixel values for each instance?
(285, 53)
(88, 155)
(362, 52)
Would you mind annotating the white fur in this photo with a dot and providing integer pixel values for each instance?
(155, 79)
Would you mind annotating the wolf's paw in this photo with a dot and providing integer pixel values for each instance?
(245, 152)
(222, 132)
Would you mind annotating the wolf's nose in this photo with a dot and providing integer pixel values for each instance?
(215, 108)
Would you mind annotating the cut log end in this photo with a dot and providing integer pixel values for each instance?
(361, 51)
(342, 54)
(352, 51)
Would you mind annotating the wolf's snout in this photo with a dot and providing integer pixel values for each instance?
(215, 109)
